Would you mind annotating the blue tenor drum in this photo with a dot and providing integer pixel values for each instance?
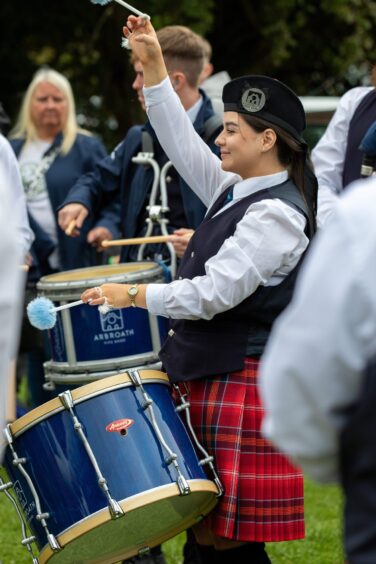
(86, 345)
(106, 471)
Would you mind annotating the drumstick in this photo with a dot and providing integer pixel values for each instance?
(137, 241)
(69, 230)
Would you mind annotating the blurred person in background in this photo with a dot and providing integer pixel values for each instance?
(15, 240)
(337, 158)
(318, 375)
(213, 84)
(11, 179)
(117, 174)
(53, 151)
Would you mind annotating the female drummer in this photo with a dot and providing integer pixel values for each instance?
(236, 276)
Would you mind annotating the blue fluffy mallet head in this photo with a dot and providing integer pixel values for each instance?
(101, 2)
(41, 313)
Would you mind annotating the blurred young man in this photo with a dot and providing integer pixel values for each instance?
(183, 52)
(318, 377)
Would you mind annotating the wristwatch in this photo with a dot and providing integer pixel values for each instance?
(132, 293)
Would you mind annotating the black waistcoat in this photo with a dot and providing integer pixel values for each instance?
(363, 118)
(358, 471)
(201, 348)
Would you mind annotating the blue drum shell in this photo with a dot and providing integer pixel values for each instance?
(133, 463)
(82, 335)
(119, 333)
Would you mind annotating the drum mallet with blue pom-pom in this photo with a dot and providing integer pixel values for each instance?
(42, 312)
(125, 5)
(125, 42)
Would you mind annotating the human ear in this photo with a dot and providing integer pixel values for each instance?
(177, 80)
(269, 139)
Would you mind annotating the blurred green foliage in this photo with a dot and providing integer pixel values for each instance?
(316, 46)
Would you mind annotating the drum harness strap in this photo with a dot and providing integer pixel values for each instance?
(40, 516)
(156, 212)
(147, 405)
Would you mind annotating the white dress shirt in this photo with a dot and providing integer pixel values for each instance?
(10, 180)
(312, 367)
(11, 290)
(328, 156)
(266, 245)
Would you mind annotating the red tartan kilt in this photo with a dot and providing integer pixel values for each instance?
(263, 499)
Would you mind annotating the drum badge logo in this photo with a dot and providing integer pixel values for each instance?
(120, 426)
(112, 321)
(253, 100)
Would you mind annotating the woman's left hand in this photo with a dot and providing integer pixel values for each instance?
(113, 295)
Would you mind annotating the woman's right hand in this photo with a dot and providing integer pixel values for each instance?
(145, 46)
(180, 239)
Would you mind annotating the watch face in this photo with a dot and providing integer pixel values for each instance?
(133, 291)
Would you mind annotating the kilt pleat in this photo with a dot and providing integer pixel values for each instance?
(263, 499)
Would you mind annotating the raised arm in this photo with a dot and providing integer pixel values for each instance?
(190, 155)
(145, 45)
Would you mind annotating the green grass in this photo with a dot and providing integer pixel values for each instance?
(321, 546)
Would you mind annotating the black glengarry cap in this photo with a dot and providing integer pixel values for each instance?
(268, 99)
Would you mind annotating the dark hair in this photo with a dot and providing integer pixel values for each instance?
(291, 153)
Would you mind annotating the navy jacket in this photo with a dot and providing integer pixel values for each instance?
(117, 174)
(60, 177)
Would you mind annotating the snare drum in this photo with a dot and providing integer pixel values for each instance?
(106, 471)
(84, 341)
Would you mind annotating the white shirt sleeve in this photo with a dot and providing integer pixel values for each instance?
(268, 241)
(328, 156)
(312, 366)
(192, 158)
(10, 179)
(11, 295)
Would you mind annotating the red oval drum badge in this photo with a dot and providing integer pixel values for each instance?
(120, 426)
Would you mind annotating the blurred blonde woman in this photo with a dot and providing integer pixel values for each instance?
(33, 124)
(53, 152)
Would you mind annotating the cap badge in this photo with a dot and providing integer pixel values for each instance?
(253, 100)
